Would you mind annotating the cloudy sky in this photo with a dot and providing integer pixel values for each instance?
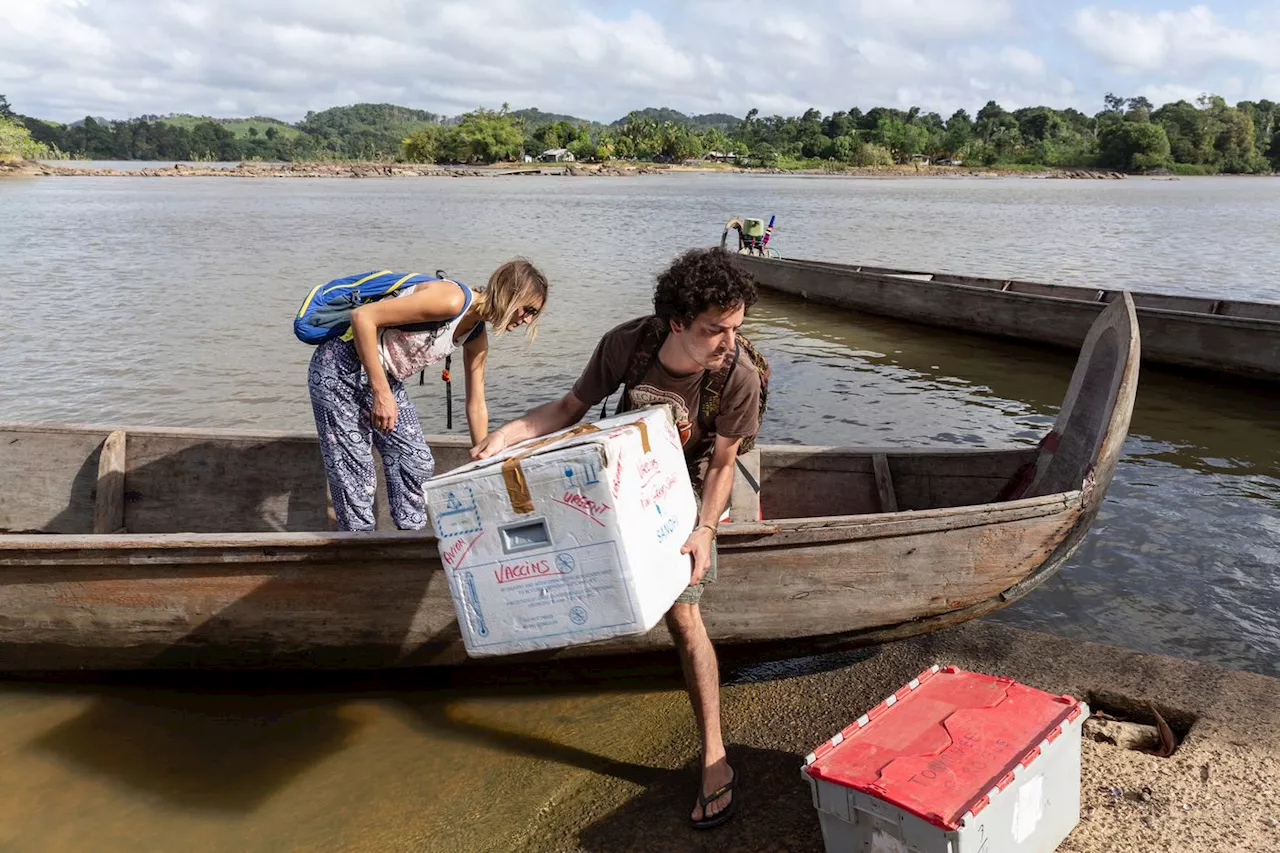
(64, 59)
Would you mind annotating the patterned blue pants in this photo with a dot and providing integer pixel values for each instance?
(342, 400)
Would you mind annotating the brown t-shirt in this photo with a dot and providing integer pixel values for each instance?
(739, 415)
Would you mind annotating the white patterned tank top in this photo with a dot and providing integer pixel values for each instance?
(405, 351)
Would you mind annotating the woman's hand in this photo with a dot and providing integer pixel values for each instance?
(494, 442)
(385, 411)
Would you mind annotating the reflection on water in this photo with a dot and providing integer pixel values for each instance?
(1180, 558)
(178, 294)
(1229, 428)
(168, 302)
(423, 761)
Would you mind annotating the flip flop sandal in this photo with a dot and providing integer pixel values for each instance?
(722, 816)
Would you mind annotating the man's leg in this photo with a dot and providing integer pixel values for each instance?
(702, 678)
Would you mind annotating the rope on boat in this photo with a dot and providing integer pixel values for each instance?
(444, 375)
(448, 380)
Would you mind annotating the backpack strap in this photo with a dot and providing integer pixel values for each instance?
(428, 325)
(713, 385)
(652, 336)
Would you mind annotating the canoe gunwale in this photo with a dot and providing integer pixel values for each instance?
(26, 549)
(309, 437)
(1253, 324)
(901, 276)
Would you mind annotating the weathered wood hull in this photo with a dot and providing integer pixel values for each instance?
(210, 548)
(381, 600)
(1233, 337)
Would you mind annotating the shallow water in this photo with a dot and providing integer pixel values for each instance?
(167, 302)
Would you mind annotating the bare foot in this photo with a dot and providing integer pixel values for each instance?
(714, 776)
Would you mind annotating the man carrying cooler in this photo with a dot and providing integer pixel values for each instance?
(687, 356)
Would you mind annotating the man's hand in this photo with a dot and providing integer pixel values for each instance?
(699, 545)
(494, 442)
(545, 419)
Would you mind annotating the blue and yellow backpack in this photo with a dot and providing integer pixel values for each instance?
(326, 312)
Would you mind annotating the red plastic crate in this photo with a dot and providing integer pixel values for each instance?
(944, 746)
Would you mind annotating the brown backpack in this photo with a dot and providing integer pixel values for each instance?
(652, 336)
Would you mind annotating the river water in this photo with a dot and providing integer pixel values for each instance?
(167, 302)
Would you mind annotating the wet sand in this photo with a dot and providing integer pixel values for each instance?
(1220, 791)
(593, 756)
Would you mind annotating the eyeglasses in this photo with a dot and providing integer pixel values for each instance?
(529, 312)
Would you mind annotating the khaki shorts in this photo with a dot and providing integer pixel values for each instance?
(693, 592)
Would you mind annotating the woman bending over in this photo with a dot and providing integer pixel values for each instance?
(357, 384)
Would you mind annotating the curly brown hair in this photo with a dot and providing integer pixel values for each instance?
(700, 279)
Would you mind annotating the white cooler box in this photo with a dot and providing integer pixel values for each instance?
(567, 539)
(954, 762)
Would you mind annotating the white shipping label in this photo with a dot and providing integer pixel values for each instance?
(1029, 809)
(882, 842)
(459, 516)
(549, 594)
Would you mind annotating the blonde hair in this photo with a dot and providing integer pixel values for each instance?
(513, 286)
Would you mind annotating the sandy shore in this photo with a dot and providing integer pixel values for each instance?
(615, 170)
(1220, 791)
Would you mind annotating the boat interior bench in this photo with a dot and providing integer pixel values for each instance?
(179, 481)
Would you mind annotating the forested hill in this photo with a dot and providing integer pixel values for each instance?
(1132, 134)
(720, 121)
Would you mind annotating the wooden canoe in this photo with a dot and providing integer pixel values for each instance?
(212, 548)
(1225, 336)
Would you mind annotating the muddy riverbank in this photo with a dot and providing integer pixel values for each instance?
(585, 757)
(356, 169)
(1217, 792)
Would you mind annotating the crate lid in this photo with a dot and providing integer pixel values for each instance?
(569, 438)
(943, 744)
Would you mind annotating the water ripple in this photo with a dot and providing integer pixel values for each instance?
(168, 302)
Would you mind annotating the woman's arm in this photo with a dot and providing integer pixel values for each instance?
(437, 300)
(547, 418)
(474, 355)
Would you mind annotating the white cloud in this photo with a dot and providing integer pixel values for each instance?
(933, 18)
(1168, 93)
(878, 54)
(1267, 87)
(1021, 60)
(63, 59)
(1134, 42)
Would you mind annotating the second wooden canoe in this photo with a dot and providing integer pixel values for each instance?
(1225, 336)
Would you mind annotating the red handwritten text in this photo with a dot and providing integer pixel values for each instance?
(457, 552)
(617, 476)
(510, 572)
(659, 493)
(648, 470)
(591, 509)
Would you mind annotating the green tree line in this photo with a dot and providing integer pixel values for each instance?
(1130, 134)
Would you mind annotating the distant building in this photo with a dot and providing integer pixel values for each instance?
(557, 155)
(721, 156)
